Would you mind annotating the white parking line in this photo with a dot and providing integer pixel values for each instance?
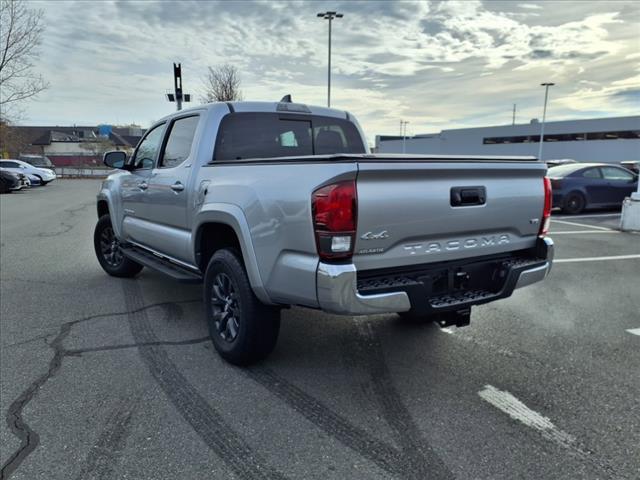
(596, 259)
(634, 331)
(573, 232)
(517, 410)
(580, 224)
(588, 216)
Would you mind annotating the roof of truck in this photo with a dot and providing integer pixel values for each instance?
(274, 107)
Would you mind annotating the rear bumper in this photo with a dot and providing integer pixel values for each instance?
(341, 291)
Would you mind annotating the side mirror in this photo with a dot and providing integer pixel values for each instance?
(115, 159)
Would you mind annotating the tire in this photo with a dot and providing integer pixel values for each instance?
(243, 330)
(109, 253)
(42, 184)
(574, 203)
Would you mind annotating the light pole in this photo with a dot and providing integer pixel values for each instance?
(329, 16)
(403, 132)
(544, 115)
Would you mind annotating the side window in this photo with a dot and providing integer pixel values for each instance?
(592, 173)
(147, 151)
(9, 165)
(179, 142)
(611, 173)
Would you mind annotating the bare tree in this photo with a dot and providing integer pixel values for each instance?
(20, 36)
(222, 84)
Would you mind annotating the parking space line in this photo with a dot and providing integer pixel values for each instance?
(588, 216)
(517, 410)
(634, 331)
(596, 259)
(573, 232)
(580, 224)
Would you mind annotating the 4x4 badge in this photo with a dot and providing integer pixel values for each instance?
(375, 236)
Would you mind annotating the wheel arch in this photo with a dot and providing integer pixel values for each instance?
(225, 226)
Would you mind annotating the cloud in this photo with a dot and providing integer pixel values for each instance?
(436, 64)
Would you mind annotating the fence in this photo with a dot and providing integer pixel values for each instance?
(82, 172)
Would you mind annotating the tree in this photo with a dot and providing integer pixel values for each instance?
(222, 84)
(20, 36)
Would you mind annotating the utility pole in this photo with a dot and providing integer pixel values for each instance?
(544, 115)
(403, 132)
(178, 96)
(513, 122)
(329, 16)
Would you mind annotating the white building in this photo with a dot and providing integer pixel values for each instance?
(610, 140)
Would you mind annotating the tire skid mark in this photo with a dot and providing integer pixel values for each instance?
(336, 426)
(104, 454)
(208, 423)
(368, 353)
(29, 438)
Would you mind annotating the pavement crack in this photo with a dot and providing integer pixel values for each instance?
(29, 438)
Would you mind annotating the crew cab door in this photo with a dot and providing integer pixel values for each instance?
(169, 191)
(135, 205)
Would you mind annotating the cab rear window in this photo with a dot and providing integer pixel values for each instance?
(272, 135)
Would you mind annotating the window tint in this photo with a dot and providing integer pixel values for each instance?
(145, 156)
(9, 165)
(592, 173)
(334, 135)
(612, 173)
(272, 135)
(179, 143)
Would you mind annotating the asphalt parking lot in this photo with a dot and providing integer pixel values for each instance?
(107, 378)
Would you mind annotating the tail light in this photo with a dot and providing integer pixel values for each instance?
(334, 210)
(546, 213)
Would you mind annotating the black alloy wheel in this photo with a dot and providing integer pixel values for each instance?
(225, 307)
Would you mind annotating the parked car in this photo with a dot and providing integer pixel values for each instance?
(278, 204)
(590, 185)
(633, 165)
(44, 175)
(39, 161)
(562, 161)
(9, 181)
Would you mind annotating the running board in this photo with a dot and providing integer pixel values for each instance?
(161, 264)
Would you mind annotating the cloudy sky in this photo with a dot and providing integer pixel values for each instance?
(436, 64)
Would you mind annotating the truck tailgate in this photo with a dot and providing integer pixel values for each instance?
(417, 212)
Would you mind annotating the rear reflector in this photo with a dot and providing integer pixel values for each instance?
(546, 212)
(334, 209)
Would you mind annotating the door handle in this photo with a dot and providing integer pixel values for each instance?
(467, 196)
(143, 185)
(177, 187)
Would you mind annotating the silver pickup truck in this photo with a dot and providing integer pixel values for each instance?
(277, 204)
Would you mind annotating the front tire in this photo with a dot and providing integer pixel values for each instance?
(243, 330)
(109, 252)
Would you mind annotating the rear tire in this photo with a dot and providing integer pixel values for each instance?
(109, 253)
(243, 330)
(574, 203)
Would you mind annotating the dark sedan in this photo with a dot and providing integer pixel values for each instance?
(9, 181)
(590, 185)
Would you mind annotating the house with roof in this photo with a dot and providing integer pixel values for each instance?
(69, 145)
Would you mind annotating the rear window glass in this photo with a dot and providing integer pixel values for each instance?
(272, 135)
(564, 170)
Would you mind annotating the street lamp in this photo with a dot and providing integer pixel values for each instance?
(403, 132)
(544, 115)
(329, 16)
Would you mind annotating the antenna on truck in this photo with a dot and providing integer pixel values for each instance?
(286, 99)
